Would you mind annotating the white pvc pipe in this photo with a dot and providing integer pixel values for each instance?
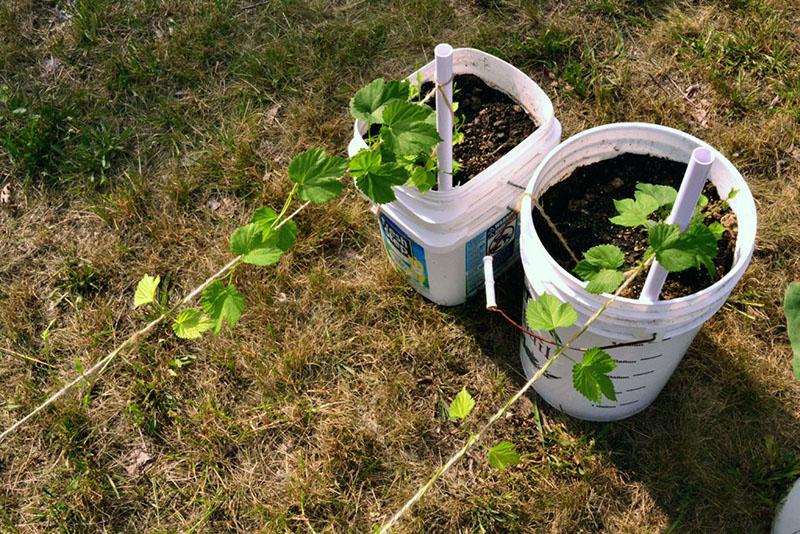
(692, 185)
(488, 282)
(444, 116)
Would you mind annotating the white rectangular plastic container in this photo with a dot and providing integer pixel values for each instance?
(439, 238)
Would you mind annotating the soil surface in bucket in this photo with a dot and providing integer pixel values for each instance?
(492, 122)
(581, 205)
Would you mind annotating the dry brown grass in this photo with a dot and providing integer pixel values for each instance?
(323, 409)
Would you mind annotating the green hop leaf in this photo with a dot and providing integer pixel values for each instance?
(318, 175)
(717, 229)
(663, 194)
(405, 130)
(677, 252)
(422, 178)
(634, 212)
(146, 290)
(703, 244)
(590, 377)
(248, 242)
(503, 455)
(283, 237)
(461, 406)
(662, 235)
(222, 303)
(600, 267)
(368, 103)
(375, 178)
(791, 308)
(548, 313)
(191, 323)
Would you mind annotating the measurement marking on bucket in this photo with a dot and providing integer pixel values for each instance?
(651, 357)
(535, 362)
(624, 361)
(628, 403)
(619, 377)
(645, 373)
(638, 343)
(634, 389)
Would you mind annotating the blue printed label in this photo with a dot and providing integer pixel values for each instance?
(500, 241)
(407, 255)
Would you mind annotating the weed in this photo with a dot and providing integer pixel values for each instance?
(81, 279)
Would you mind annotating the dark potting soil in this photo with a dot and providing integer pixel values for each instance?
(493, 124)
(581, 205)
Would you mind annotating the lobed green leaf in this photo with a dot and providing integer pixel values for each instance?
(318, 175)
(368, 103)
(461, 406)
(503, 455)
(590, 376)
(665, 195)
(677, 252)
(222, 304)
(634, 211)
(376, 178)
(283, 237)
(146, 290)
(717, 229)
(191, 323)
(249, 243)
(548, 313)
(600, 267)
(422, 178)
(405, 129)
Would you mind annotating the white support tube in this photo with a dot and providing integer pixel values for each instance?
(691, 187)
(444, 115)
(488, 282)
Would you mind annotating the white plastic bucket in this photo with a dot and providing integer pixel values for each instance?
(660, 332)
(788, 519)
(439, 238)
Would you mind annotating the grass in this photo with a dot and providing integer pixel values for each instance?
(135, 136)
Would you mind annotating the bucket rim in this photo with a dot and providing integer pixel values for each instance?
(527, 230)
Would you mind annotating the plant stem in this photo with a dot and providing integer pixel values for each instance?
(285, 207)
(504, 408)
(101, 365)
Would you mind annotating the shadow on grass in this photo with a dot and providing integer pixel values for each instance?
(716, 450)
